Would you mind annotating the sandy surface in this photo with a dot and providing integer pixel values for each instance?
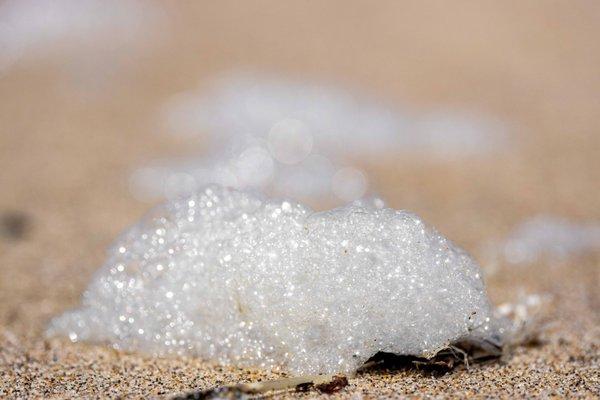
(66, 149)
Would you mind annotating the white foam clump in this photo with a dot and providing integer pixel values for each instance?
(551, 238)
(238, 279)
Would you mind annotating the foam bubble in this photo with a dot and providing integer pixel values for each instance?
(349, 184)
(290, 141)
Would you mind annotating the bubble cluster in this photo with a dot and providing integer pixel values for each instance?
(239, 279)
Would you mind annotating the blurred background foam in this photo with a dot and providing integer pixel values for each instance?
(300, 139)
(93, 41)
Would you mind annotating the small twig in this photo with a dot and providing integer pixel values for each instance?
(324, 383)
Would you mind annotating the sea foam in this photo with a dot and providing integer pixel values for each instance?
(549, 238)
(302, 139)
(240, 279)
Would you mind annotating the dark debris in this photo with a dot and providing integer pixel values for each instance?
(335, 385)
(14, 225)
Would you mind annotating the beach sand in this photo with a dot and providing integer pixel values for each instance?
(66, 151)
